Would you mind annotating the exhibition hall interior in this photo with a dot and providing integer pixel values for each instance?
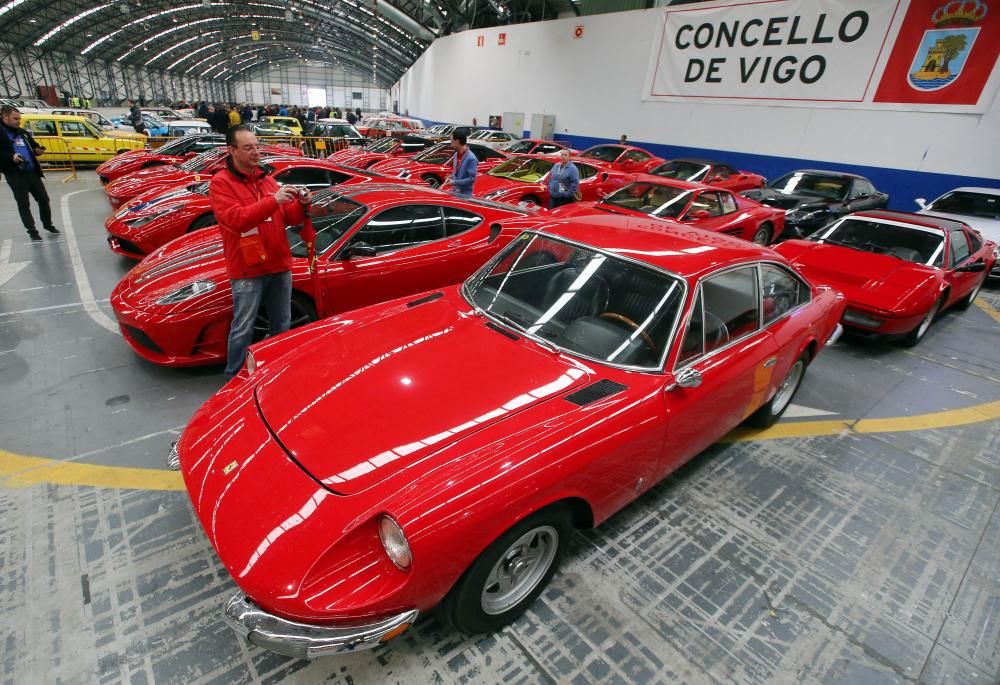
(500, 341)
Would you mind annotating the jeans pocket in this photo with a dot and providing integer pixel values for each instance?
(242, 286)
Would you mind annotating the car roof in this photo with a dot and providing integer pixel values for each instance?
(698, 160)
(684, 250)
(924, 220)
(674, 182)
(975, 189)
(189, 122)
(57, 117)
(826, 172)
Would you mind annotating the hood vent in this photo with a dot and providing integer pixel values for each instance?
(596, 391)
(425, 299)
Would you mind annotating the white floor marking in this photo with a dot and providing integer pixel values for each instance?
(82, 281)
(797, 411)
(9, 269)
(45, 309)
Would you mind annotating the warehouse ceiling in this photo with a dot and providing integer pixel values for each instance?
(219, 39)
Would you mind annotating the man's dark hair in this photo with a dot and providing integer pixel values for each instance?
(461, 135)
(231, 133)
(8, 109)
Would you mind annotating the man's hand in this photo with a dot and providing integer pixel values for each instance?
(285, 194)
(305, 195)
(18, 158)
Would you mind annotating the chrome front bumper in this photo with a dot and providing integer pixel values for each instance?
(835, 336)
(305, 641)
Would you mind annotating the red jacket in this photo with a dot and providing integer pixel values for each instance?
(242, 203)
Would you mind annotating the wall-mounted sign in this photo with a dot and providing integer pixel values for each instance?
(480, 41)
(502, 39)
(578, 32)
(275, 91)
(255, 35)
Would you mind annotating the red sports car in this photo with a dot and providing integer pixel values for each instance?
(524, 179)
(710, 173)
(155, 218)
(898, 270)
(442, 448)
(381, 150)
(173, 153)
(631, 160)
(198, 168)
(706, 207)
(534, 146)
(432, 166)
(374, 243)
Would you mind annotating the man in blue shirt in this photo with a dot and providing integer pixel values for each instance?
(464, 165)
(564, 181)
(19, 163)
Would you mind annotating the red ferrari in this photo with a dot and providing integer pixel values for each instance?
(173, 153)
(710, 173)
(441, 449)
(374, 243)
(155, 218)
(706, 207)
(898, 270)
(381, 150)
(198, 168)
(631, 160)
(534, 146)
(524, 179)
(432, 165)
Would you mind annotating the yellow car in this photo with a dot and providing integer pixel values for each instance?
(100, 121)
(73, 138)
(289, 122)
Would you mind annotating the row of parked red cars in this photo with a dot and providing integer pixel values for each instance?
(484, 375)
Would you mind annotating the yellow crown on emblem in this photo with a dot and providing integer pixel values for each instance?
(960, 12)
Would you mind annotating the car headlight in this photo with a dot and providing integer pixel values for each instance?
(143, 220)
(187, 292)
(853, 316)
(394, 542)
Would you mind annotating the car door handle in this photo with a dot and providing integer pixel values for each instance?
(770, 362)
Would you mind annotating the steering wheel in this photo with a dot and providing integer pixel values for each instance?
(631, 324)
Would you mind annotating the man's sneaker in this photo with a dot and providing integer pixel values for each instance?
(52, 229)
(34, 235)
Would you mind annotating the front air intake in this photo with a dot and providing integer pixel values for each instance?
(596, 391)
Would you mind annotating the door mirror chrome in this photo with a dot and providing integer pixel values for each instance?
(686, 378)
(921, 202)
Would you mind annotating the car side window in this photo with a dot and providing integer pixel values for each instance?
(585, 170)
(402, 227)
(72, 129)
(974, 241)
(782, 292)
(693, 344)
(959, 248)
(458, 221)
(635, 156)
(312, 178)
(730, 306)
(709, 202)
(862, 188)
(724, 171)
(728, 203)
(546, 149)
(43, 127)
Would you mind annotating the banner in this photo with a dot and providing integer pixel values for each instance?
(886, 54)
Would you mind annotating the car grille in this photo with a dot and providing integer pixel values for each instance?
(142, 339)
(126, 245)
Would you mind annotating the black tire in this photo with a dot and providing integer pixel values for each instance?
(967, 301)
(203, 221)
(768, 415)
(303, 312)
(431, 180)
(920, 330)
(763, 234)
(472, 607)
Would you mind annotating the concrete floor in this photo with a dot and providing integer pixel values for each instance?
(857, 542)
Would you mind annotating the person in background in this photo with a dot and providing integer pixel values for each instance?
(311, 115)
(564, 181)
(19, 163)
(260, 113)
(203, 110)
(253, 212)
(357, 113)
(135, 117)
(247, 113)
(234, 118)
(623, 140)
(283, 111)
(351, 119)
(464, 164)
(220, 119)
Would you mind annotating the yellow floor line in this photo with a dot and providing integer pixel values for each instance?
(988, 308)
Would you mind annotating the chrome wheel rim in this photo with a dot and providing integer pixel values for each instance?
(926, 323)
(432, 182)
(760, 237)
(788, 388)
(975, 292)
(519, 570)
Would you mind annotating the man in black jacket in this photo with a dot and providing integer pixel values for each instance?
(19, 163)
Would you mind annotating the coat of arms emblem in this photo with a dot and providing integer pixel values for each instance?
(942, 52)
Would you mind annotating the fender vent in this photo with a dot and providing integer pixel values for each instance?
(425, 299)
(596, 391)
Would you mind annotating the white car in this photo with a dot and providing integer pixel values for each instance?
(978, 207)
(183, 127)
(494, 139)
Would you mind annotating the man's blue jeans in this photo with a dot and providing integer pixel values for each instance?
(275, 291)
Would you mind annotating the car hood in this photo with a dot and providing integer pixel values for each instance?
(129, 158)
(781, 200)
(355, 406)
(144, 179)
(490, 184)
(193, 257)
(873, 280)
(155, 201)
(988, 228)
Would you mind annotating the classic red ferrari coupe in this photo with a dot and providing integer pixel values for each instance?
(381, 150)
(432, 165)
(706, 207)
(173, 153)
(374, 242)
(898, 270)
(534, 146)
(631, 160)
(524, 179)
(198, 168)
(441, 448)
(155, 218)
(711, 173)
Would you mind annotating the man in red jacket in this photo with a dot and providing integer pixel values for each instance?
(253, 211)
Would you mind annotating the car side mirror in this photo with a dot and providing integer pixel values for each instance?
(604, 176)
(361, 249)
(687, 378)
(975, 267)
(921, 202)
(713, 179)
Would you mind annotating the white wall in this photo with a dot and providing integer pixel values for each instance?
(294, 80)
(594, 85)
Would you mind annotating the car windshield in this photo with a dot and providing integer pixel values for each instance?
(911, 243)
(820, 185)
(982, 205)
(650, 198)
(685, 171)
(341, 130)
(382, 145)
(332, 216)
(439, 154)
(523, 169)
(204, 160)
(580, 300)
(93, 130)
(603, 153)
(521, 146)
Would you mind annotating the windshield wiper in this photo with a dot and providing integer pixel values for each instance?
(837, 242)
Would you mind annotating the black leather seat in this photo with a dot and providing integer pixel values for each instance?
(589, 300)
